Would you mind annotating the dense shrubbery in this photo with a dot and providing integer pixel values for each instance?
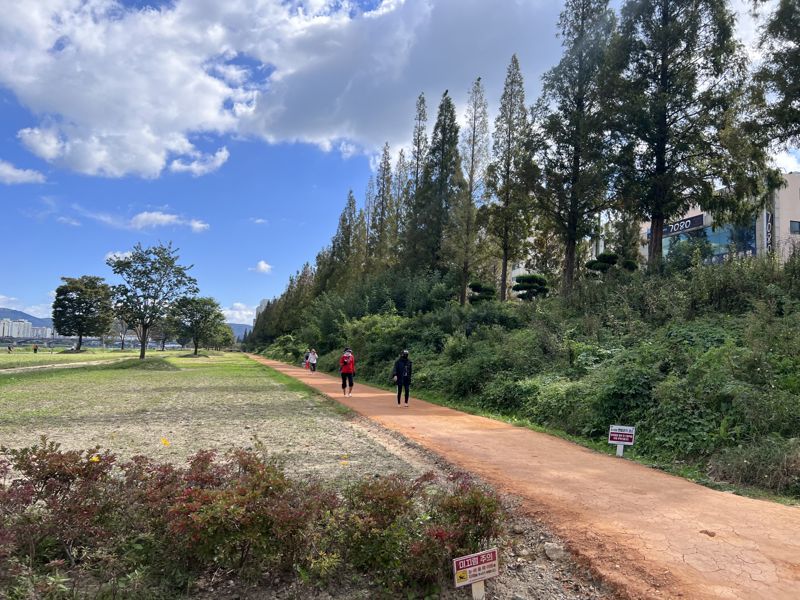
(704, 361)
(79, 522)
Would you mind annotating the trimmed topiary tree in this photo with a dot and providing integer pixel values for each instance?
(481, 292)
(530, 286)
(603, 262)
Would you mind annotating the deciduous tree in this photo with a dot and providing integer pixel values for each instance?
(152, 281)
(82, 307)
(462, 231)
(199, 319)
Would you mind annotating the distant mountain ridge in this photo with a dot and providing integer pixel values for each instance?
(239, 330)
(10, 313)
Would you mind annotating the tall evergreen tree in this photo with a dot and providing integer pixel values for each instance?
(381, 217)
(401, 193)
(779, 73)
(680, 104)
(462, 232)
(419, 145)
(369, 204)
(574, 124)
(507, 176)
(359, 252)
(442, 183)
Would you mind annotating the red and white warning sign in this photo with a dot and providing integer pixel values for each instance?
(621, 435)
(475, 567)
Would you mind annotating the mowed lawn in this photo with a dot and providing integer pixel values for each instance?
(24, 357)
(170, 407)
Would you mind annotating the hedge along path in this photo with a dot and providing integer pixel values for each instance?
(646, 533)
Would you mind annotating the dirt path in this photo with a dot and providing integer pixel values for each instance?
(649, 534)
(75, 365)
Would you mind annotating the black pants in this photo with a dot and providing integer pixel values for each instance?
(347, 378)
(312, 366)
(401, 385)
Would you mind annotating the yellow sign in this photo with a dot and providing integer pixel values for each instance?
(462, 576)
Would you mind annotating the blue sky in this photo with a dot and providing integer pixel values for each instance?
(233, 129)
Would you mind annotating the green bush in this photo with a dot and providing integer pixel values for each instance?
(771, 462)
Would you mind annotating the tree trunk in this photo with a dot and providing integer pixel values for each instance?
(80, 342)
(163, 344)
(122, 345)
(143, 342)
(196, 344)
(655, 247)
(462, 293)
(568, 275)
(504, 274)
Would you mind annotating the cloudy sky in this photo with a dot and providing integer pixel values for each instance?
(233, 129)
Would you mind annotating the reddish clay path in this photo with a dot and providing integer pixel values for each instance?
(649, 534)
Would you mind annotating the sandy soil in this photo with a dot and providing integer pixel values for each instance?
(645, 533)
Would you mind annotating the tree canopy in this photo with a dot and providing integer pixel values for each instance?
(152, 281)
(82, 307)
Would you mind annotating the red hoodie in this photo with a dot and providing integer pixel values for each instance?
(349, 366)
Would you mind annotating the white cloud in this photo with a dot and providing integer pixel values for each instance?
(788, 162)
(8, 301)
(203, 165)
(10, 174)
(259, 221)
(261, 267)
(239, 313)
(69, 221)
(42, 310)
(144, 220)
(120, 90)
(147, 220)
(198, 226)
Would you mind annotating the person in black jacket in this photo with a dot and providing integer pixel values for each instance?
(401, 374)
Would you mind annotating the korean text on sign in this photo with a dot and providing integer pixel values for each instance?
(475, 567)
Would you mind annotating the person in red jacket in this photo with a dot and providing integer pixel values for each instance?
(347, 367)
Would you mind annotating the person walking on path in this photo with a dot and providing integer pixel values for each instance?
(347, 367)
(401, 374)
(312, 360)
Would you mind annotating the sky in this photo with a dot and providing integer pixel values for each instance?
(233, 129)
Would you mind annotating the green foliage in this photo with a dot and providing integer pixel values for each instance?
(773, 463)
(82, 307)
(531, 286)
(202, 321)
(481, 292)
(152, 281)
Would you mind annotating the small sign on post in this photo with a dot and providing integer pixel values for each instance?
(474, 569)
(621, 436)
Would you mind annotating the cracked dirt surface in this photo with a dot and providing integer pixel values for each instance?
(645, 533)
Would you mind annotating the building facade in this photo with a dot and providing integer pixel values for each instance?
(21, 328)
(775, 230)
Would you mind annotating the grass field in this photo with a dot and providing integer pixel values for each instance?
(24, 357)
(170, 407)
